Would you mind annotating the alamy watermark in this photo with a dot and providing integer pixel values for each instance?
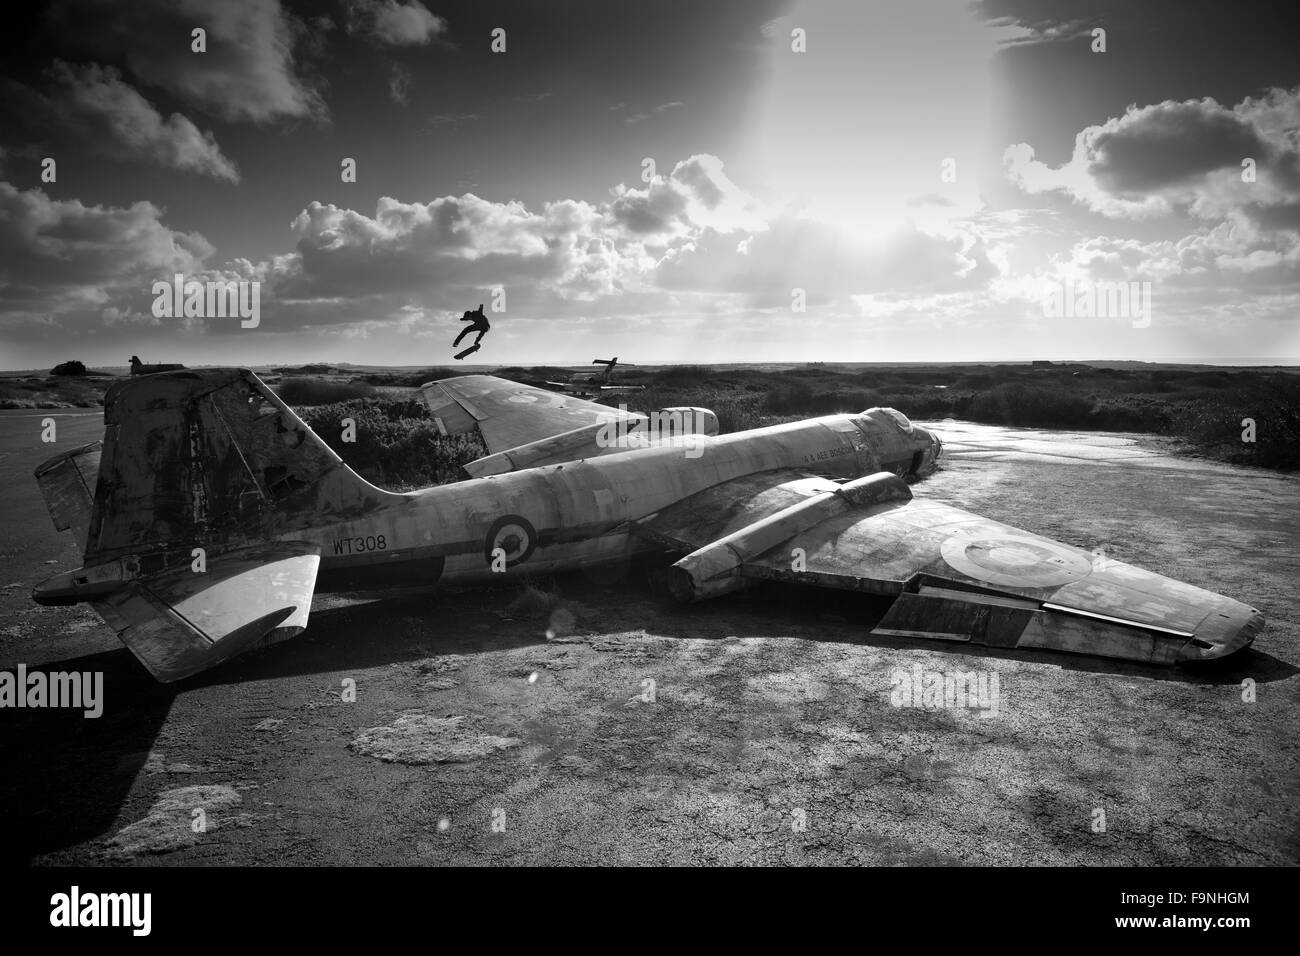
(935, 690)
(130, 910)
(1071, 298)
(214, 299)
(625, 430)
(54, 689)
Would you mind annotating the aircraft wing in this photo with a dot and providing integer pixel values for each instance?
(954, 576)
(507, 413)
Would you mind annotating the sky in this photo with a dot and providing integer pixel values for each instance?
(693, 182)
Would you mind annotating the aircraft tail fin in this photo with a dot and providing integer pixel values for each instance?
(204, 477)
(211, 456)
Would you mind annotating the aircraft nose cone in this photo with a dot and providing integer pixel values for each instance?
(1228, 631)
(930, 445)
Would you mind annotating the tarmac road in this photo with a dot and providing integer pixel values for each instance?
(753, 729)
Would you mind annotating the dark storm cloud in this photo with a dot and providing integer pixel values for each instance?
(89, 108)
(1173, 156)
(1170, 143)
(251, 70)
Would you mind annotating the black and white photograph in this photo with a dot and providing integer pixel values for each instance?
(733, 433)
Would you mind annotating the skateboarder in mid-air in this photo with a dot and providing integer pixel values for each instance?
(477, 323)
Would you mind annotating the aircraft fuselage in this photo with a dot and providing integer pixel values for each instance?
(565, 516)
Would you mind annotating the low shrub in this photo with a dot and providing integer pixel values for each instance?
(1013, 403)
(398, 445)
(319, 391)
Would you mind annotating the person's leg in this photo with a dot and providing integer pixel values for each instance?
(481, 333)
(463, 332)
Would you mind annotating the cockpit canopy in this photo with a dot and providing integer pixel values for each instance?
(892, 415)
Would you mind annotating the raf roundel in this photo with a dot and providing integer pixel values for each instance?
(514, 535)
(1015, 561)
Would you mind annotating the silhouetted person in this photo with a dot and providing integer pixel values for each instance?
(477, 323)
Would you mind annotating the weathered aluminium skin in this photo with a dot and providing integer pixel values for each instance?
(213, 514)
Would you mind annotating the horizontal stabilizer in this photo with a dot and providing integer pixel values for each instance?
(181, 622)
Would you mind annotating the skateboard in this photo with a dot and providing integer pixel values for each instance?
(469, 351)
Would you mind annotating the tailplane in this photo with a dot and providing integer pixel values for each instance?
(203, 479)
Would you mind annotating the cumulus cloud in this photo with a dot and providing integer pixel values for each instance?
(689, 241)
(394, 23)
(251, 70)
(692, 233)
(96, 110)
(696, 194)
(441, 249)
(1180, 160)
(1229, 256)
(64, 260)
(1177, 157)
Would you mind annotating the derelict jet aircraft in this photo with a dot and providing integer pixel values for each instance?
(597, 384)
(210, 515)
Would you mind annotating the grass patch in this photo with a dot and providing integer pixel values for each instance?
(533, 604)
(53, 391)
(320, 391)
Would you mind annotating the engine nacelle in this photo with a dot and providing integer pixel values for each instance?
(714, 569)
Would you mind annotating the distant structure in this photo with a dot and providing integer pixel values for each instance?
(1038, 363)
(70, 367)
(139, 368)
(595, 384)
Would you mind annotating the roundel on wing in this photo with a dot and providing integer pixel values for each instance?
(514, 535)
(1014, 561)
